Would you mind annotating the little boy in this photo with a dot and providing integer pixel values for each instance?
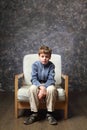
(43, 86)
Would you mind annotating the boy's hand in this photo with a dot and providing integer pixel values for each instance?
(42, 92)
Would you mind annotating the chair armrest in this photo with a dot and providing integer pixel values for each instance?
(17, 77)
(65, 77)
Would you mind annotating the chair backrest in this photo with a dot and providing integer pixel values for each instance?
(31, 58)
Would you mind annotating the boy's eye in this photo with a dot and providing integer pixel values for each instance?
(42, 56)
(47, 56)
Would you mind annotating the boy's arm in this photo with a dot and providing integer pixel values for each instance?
(34, 75)
(51, 80)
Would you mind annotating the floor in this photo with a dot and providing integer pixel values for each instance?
(77, 116)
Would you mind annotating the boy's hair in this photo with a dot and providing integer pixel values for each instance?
(45, 49)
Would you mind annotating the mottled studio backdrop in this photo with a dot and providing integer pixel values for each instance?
(27, 24)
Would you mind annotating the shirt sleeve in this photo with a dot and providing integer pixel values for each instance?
(50, 80)
(34, 75)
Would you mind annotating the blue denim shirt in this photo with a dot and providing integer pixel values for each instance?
(43, 74)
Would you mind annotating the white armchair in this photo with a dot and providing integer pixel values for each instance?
(21, 93)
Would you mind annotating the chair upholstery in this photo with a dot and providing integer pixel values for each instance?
(21, 94)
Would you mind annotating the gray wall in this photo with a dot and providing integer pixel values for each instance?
(59, 24)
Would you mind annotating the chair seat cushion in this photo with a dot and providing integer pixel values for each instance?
(23, 94)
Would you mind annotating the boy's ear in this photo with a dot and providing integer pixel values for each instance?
(50, 57)
(38, 55)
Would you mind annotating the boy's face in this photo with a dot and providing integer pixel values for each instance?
(44, 58)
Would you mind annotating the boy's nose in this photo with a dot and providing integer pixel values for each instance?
(44, 57)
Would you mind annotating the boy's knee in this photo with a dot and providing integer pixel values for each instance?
(33, 88)
(51, 89)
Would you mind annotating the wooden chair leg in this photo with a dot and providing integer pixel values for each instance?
(16, 110)
(16, 113)
(66, 112)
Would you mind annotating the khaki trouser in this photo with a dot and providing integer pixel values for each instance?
(50, 98)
